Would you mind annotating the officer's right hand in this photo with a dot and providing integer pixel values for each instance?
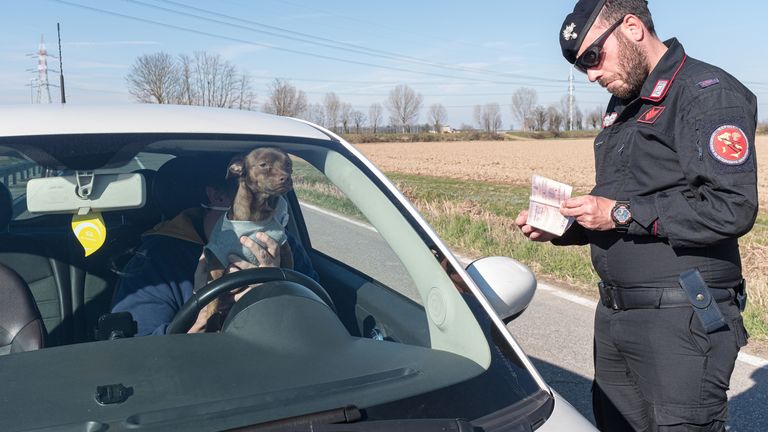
(532, 233)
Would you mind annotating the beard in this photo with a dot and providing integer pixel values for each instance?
(633, 65)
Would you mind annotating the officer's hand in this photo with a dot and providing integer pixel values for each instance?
(532, 233)
(591, 212)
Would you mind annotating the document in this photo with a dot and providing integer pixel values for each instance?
(544, 210)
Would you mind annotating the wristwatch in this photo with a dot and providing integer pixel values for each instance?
(621, 216)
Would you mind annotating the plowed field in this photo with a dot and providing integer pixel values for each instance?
(569, 161)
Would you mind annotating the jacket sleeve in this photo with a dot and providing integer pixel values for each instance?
(715, 144)
(154, 285)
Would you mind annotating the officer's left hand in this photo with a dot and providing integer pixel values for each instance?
(591, 212)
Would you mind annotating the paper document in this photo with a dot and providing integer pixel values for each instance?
(544, 210)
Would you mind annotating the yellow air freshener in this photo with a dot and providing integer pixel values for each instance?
(90, 231)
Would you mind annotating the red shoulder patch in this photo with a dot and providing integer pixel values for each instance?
(729, 145)
(651, 115)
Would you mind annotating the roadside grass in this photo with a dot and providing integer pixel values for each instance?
(477, 219)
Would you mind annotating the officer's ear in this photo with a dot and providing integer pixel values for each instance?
(633, 28)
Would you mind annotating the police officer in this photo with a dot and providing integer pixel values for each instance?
(676, 186)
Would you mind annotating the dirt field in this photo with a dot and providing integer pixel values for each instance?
(569, 161)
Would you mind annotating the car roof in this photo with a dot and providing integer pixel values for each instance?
(67, 119)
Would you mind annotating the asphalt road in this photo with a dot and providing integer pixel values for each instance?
(556, 333)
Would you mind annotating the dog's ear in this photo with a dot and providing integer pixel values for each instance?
(236, 167)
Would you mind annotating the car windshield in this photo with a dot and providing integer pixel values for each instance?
(406, 337)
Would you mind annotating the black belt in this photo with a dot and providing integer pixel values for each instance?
(618, 298)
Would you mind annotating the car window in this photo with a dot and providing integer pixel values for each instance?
(339, 230)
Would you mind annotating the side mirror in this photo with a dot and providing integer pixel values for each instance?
(507, 284)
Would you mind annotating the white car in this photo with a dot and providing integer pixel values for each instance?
(397, 334)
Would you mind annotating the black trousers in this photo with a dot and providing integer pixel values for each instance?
(658, 370)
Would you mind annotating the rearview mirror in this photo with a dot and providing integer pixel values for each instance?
(101, 193)
(507, 284)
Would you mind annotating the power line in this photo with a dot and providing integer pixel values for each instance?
(289, 50)
(334, 44)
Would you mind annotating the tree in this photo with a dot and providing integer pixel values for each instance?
(437, 115)
(404, 105)
(285, 100)
(346, 116)
(375, 113)
(202, 79)
(523, 103)
(595, 118)
(332, 107)
(154, 78)
(358, 120)
(488, 117)
(315, 113)
(539, 118)
(555, 119)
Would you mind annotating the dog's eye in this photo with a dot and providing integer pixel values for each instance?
(263, 165)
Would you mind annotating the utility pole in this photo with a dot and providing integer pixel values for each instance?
(570, 100)
(61, 67)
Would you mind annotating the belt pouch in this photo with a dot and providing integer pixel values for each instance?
(701, 300)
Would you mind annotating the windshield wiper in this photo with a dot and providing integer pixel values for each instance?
(345, 418)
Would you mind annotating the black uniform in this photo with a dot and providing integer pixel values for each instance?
(683, 155)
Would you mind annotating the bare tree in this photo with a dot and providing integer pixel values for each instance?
(285, 99)
(595, 118)
(539, 118)
(202, 79)
(523, 103)
(437, 115)
(315, 113)
(154, 78)
(358, 120)
(332, 110)
(488, 117)
(404, 105)
(375, 113)
(555, 119)
(346, 116)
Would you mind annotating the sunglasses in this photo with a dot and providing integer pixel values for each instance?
(591, 56)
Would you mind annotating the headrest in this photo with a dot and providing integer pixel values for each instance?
(6, 206)
(180, 183)
(149, 215)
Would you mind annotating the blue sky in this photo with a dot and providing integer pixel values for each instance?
(457, 53)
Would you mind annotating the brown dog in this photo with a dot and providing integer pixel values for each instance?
(263, 176)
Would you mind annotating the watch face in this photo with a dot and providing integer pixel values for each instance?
(621, 214)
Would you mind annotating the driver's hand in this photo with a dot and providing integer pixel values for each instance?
(267, 256)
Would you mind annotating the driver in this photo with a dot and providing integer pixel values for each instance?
(167, 266)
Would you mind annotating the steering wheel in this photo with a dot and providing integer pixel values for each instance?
(187, 315)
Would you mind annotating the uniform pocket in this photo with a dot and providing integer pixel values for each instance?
(698, 336)
(740, 332)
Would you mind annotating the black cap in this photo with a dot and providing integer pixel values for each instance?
(577, 25)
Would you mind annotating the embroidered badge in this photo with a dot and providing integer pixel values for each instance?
(568, 32)
(609, 119)
(729, 145)
(659, 89)
(651, 115)
(708, 83)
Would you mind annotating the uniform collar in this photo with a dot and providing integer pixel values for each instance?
(663, 75)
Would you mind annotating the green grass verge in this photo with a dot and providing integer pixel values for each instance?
(477, 219)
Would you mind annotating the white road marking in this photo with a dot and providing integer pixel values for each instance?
(141, 165)
(338, 216)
